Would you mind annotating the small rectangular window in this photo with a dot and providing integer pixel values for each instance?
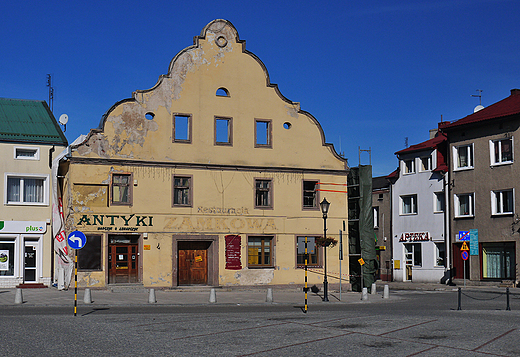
(89, 257)
(26, 153)
(376, 216)
(501, 151)
(464, 205)
(463, 157)
(439, 202)
(121, 189)
(182, 128)
(310, 194)
(426, 163)
(263, 135)
(223, 131)
(259, 251)
(502, 202)
(182, 191)
(409, 204)
(263, 194)
(409, 166)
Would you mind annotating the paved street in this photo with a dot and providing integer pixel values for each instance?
(241, 323)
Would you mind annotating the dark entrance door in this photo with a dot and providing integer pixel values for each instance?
(30, 263)
(458, 263)
(123, 259)
(193, 263)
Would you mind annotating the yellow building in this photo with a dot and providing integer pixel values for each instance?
(207, 178)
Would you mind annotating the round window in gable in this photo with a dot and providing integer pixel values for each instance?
(221, 41)
(287, 125)
(149, 116)
(222, 92)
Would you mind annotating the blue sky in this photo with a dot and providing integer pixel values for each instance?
(372, 72)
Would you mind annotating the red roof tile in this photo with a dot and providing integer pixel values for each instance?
(428, 144)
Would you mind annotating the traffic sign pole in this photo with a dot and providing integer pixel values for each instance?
(76, 240)
(75, 281)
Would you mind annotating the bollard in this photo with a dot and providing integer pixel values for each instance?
(87, 297)
(508, 308)
(373, 289)
(460, 298)
(151, 297)
(18, 298)
(386, 292)
(269, 297)
(364, 294)
(212, 296)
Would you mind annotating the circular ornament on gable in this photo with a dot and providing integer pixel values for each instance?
(221, 41)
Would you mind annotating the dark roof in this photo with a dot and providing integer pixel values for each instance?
(380, 182)
(505, 107)
(425, 145)
(29, 121)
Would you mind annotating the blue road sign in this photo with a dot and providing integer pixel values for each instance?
(77, 240)
(464, 255)
(464, 236)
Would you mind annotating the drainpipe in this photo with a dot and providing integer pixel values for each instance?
(51, 150)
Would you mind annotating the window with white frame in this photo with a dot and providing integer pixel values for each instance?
(376, 216)
(409, 166)
(409, 204)
(439, 202)
(26, 153)
(463, 157)
(440, 254)
(26, 189)
(426, 163)
(501, 151)
(502, 202)
(464, 205)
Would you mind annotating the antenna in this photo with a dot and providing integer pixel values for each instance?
(406, 142)
(479, 95)
(369, 155)
(51, 92)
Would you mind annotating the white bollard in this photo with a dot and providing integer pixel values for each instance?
(269, 297)
(364, 295)
(87, 297)
(373, 290)
(18, 298)
(151, 297)
(212, 296)
(386, 292)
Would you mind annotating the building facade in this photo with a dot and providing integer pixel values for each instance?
(484, 177)
(211, 177)
(29, 141)
(381, 206)
(418, 213)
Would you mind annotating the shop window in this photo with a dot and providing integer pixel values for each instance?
(439, 202)
(501, 151)
(182, 192)
(409, 166)
(409, 204)
(376, 216)
(498, 260)
(313, 254)
(182, 128)
(440, 254)
(260, 251)
(27, 190)
(89, 257)
(426, 163)
(310, 199)
(263, 194)
(121, 189)
(7, 264)
(26, 153)
(463, 157)
(263, 135)
(223, 131)
(464, 205)
(502, 202)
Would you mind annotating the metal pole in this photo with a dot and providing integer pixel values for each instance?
(464, 273)
(460, 298)
(508, 308)
(340, 259)
(75, 281)
(306, 289)
(325, 282)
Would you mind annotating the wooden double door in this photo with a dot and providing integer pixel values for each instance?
(123, 260)
(193, 263)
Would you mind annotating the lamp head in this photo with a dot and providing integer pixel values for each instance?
(324, 205)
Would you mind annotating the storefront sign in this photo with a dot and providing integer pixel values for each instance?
(147, 247)
(223, 211)
(112, 222)
(473, 243)
(23, 227)
(219, 224)
(233, 246)
(415, 237)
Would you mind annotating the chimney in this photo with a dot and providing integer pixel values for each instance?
(515, 91)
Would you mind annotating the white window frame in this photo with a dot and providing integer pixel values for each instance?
(406, 170)
(436, 201)
(497, 196)
(456, 150)
(413, 204)
(456, 200)
(492, 144)
(9, 239)
(437, 254)
(26, 148)
(429, 162)
(375, 210)
(45, 179)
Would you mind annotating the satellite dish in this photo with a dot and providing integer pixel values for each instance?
(477, 108)
(64, 118)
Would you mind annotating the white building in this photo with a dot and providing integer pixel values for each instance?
(418, 212)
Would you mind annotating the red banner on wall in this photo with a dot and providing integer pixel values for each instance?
(233, 243)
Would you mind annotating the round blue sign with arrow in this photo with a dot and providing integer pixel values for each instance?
(77, 240)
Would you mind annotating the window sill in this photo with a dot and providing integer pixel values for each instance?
(438, 212)
(501, 163)
(408, 214)
(260, 267)
(408, 173)
(26, 204)
(463, 168)
(465, 216)
(264, 207)
(505, 214)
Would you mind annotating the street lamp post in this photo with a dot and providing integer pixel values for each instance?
(324, 205)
